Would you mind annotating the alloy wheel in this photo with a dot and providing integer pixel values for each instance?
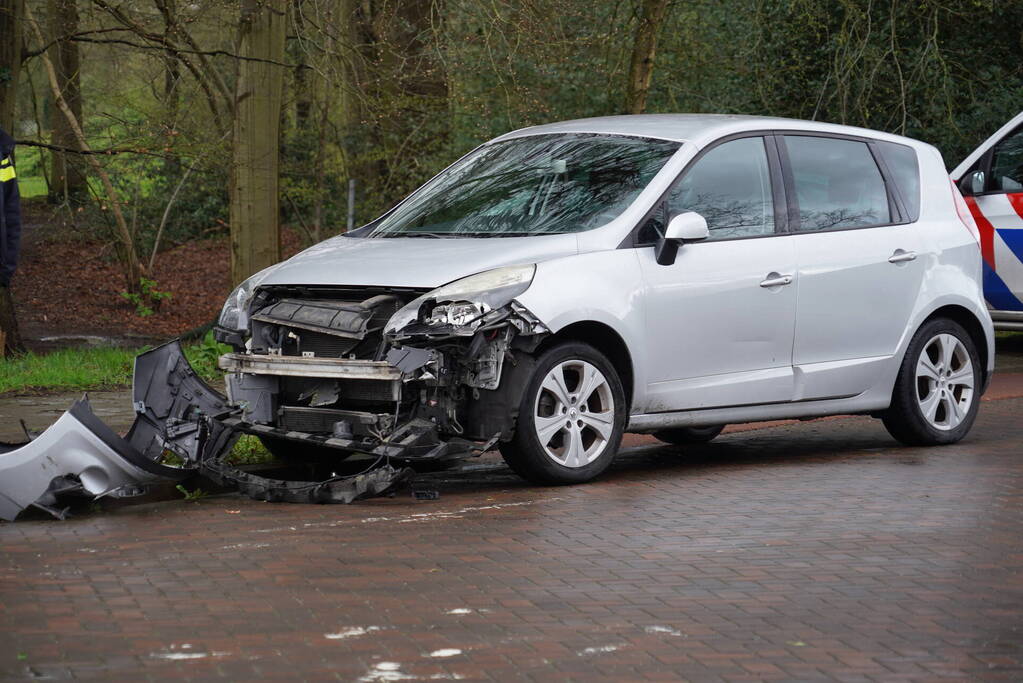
(944, 381)
(573, 413)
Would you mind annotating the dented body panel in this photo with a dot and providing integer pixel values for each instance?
(77, 454)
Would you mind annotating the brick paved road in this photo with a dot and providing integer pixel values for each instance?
(805, 552)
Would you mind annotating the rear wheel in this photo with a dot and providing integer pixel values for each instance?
(681, 436)
(571, 417)
(936, 395)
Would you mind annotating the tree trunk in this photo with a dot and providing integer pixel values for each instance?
(255, 225)
(644, 49)
(66, 176)
(11, 28)
(125, 244)
(11, 13)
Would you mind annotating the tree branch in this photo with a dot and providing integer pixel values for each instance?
(211, 53)
(110, 151)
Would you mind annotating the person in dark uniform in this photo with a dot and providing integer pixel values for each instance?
(10, 243)
(10, 211)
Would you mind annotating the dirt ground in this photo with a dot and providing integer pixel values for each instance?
(67, 289)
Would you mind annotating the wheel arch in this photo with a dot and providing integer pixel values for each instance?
(606, 340)
(969, 321)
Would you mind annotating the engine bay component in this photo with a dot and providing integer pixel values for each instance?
(321, 328)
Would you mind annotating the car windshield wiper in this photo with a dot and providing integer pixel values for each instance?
(425, 235)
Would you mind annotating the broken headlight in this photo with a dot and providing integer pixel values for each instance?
(234, 315)
(464, 301)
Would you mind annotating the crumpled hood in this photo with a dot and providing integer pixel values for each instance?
(413, 262)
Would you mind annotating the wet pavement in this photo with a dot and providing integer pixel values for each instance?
(800, 551)
(40, 411)
(820, 550)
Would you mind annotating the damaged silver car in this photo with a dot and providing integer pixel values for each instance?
(663, 274)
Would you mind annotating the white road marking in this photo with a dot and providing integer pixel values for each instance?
(603, 649)
(351, 632)
(667, 630)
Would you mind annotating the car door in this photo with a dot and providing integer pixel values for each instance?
(719, 319)
(858, 274)
(991, 179)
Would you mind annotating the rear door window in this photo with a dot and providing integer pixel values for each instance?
(837, 184)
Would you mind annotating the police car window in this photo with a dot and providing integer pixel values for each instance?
(838, 184)
(730, 186)
(1007, 164)
(902, 162)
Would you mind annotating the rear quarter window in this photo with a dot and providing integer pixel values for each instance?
(905, 169)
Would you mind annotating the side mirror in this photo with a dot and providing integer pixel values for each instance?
(972, 183)
(685, 227)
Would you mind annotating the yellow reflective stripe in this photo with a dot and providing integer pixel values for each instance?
(7, 170)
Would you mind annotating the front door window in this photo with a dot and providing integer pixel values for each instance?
(730, 186)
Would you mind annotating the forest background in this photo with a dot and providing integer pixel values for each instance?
(147, 126)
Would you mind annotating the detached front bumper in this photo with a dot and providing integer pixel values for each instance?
(77, 454)
(175, 421)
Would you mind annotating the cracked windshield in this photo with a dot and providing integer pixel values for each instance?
(534, 185)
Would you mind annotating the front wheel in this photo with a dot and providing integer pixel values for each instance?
(936, 395)
(571, 417)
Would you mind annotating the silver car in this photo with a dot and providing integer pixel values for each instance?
(667, 274)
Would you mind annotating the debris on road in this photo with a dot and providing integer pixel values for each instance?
(182, 427)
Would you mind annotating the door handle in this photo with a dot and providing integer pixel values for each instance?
(902, 256)
(776, 280)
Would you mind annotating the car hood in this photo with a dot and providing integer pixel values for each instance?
(413, 262)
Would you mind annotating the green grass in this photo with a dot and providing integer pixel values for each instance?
(249, 450)
(31, 187)
(31, 182)
(92, 369)
(67, 369)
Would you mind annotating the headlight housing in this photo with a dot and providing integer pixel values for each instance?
(462, 303)
(234, 315)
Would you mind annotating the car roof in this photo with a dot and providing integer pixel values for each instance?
(698, 129)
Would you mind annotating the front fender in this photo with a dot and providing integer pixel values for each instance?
(604, 287)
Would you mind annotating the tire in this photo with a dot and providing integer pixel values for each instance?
(584, 438)
(936, 393)
(292, 451)
(682, 436)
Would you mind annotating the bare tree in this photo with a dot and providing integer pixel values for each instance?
(66, 178)
(125, 243)
(644, 49)
(254, 189)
